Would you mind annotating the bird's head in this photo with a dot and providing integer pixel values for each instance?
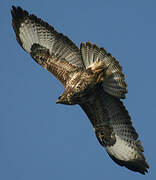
(63, 99)
(66, 98)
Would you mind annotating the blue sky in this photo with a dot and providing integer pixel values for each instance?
(42, 140)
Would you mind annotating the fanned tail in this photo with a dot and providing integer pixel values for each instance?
(113, 78)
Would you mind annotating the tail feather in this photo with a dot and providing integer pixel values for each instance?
(113, 79)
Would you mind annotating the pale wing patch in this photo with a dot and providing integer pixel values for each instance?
(31, 30)
(123, 151)
(114, 130)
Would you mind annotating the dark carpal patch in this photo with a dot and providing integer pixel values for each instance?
(105, 135)
(39, 53)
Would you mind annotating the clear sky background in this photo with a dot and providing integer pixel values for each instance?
(41, 140)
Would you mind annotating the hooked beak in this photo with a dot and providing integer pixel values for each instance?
(58, 101)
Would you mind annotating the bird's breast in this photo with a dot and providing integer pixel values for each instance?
(80, 87)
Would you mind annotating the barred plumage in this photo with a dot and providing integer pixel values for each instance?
(92, 78)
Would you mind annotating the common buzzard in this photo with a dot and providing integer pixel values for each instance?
(92, 78)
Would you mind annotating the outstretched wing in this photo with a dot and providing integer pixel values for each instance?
(113, 80)
(114, 130)
(54, 51)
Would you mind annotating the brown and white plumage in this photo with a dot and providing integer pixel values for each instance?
(92, 78)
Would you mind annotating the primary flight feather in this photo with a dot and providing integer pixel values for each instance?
(92, 78)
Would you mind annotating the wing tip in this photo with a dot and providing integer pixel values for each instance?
(18, 15)
(138, 165)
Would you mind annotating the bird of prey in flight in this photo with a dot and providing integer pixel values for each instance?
(92, 79)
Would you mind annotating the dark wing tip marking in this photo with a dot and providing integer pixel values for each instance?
(19, 15)
(137, 165)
